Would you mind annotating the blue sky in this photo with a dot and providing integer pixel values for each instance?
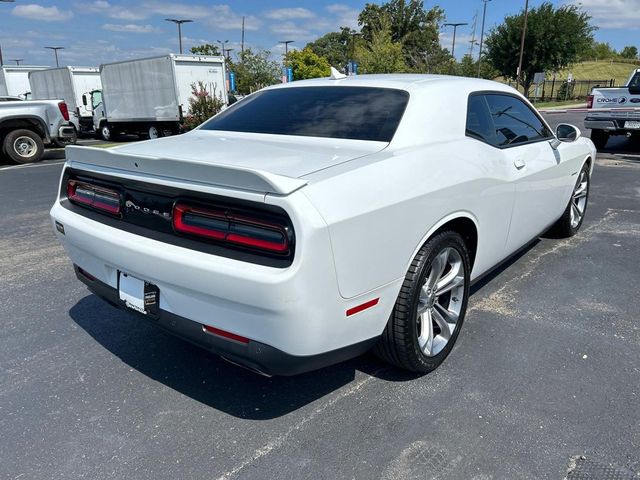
(100, 31)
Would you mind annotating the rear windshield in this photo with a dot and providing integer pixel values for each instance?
(358, 113)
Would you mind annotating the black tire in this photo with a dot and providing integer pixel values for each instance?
(398, 344)
(154, 131)
(105, 132)
(599, 138)
(565, 227)
(29, 150)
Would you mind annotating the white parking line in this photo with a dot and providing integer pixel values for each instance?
(31, 165)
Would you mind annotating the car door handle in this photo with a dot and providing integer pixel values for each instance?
(519, 164)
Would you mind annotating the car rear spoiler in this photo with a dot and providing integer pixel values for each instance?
(228, 176)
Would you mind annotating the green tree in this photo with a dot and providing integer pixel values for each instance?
(381, 54)
(203, 105)
(468, 67)
(306, 64)
(254, 71)
(410, 25)
(206, 49)
(336, 47)
(599, 51)
(555, 38)
(630, 52)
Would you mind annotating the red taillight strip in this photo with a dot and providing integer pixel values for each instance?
(257, 243)
(179, 224)
(228, 234)
(225, 334)
(98, 199)
(363, 306)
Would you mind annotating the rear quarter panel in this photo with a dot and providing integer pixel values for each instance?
(379, 215)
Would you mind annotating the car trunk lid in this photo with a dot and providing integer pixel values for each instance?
(254, 162)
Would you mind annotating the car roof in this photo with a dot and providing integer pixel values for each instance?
(404, 81)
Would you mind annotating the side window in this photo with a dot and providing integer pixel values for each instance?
(479, 123)
(635, 81)
(514, 121)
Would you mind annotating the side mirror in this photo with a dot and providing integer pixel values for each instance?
(84, 99)
(567, 133)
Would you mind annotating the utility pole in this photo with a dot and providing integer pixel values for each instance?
(179, 22)
(473, 41)
(484, 15)
(286, 50)
(55, 52)
(524, 34)
(242, 41)
(455, 27)
(1, 62)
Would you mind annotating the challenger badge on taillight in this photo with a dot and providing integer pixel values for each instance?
(93, 196)
(242, 230)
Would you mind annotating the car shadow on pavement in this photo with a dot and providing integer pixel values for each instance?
(207, 378)
(203, 376)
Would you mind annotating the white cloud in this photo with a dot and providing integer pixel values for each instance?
(616, 14)
(114, 11)
(217, 16)
(33, 11)
(289, 13)
(290, 29)
(130, 28)
(345, 16)
(180, 10)
(463, 42)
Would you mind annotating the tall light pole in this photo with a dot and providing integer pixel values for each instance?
(286, 50)
(222, 44)
(227, 52)
(179, 22)
(55, 52)
(17, 60)
(1, 62)
(455, 27)
(484, 15)
(524, 34)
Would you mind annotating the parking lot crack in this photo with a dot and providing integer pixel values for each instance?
(281, 440)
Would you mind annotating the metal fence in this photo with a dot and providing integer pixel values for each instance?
(561, 90)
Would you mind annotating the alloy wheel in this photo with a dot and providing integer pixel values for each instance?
(579, 199)
(25, 147)
(440, 302)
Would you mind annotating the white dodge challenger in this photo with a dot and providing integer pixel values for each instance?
(315, 220)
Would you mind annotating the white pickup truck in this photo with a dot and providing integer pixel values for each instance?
(27, 126)
(614, 111)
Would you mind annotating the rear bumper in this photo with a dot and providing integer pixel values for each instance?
(610, 124)
(66, 131)
(256, 356)
(296, 310)
(600, 124)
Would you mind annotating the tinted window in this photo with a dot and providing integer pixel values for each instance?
(635, 81)
(514, 121)
(479, 123)
(360, 113)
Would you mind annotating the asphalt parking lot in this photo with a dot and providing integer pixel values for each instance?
(544, 379)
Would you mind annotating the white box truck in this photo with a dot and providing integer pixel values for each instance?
(68, 84)
(150, 96)
(14, 80)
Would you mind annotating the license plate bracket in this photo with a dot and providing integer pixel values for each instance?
(632, 125)
(138, 295)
